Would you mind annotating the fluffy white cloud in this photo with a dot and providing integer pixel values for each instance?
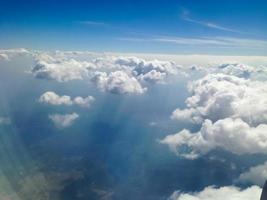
(83, 102)
(130, 73)
(54, 99)
(118, 82)
(218, 96)
(232, 135)
(150, 71)
(232, 112)
(61, 70)
(256, 175)
(51, 97)
(63, 121)
(5, 120)
(237, 69)
(222, 193)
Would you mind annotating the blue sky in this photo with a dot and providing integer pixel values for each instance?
(182, 27)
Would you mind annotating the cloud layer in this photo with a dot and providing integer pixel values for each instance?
(115, 74)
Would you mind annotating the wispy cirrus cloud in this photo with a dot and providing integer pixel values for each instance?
(94, 23)
(206, 41)
(187, 17)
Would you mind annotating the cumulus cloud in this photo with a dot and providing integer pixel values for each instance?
(232, 114)
(218, 96)
(130, 73)
(118, 82)
(256, 175)
(52, 98)
(237, 69)
(5, 120)
(83, 102)
(61, 70)
(63, 121)
(150, 71)
(232, 135)
(221, 193)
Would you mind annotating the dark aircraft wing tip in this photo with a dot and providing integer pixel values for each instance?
(264, 192)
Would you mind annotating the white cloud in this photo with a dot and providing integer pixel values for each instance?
(256, 175)
(119, 71)
(218, 96)
(150, 71)
(221, 193)
(54, 99)
(118, 82)
(232, 135)
(239, 70)
(18, 51)
(51, 97)
(7, 54)
(61, 70)
(4, 56)
(63, 121)
(84, 102)
(5, 120)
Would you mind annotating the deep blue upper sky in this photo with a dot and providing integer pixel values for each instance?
(186, 26)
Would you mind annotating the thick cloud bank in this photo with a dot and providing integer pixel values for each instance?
(118, 75)
(52, 98)
(222, 193)
(63, 121)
